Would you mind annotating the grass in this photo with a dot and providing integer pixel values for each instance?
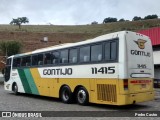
(91, 29)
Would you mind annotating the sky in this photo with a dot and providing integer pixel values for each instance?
(75, 12)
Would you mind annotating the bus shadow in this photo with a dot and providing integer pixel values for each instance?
(121, 108)
(46, 98)
(100, 106)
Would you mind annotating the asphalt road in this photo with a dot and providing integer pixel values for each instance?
(25, 102)
(1, 77)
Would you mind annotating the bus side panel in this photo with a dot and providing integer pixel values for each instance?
(51, 86)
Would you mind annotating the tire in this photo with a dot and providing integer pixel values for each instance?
(15, 89)
(82, 96)
(66, 95)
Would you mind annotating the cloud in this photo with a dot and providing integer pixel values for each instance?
(73, 11)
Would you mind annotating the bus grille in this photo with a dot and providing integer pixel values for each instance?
(106, 92)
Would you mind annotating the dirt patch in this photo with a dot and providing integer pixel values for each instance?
(32, 41)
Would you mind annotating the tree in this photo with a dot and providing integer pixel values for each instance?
(150, 17)
(94, 23)
(19, 21)
(121, 20)
(136, 18)
(109, 19)
(10, 48)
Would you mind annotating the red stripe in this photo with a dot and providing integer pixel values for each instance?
(140, 81)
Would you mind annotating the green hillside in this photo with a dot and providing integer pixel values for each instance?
(91, 29)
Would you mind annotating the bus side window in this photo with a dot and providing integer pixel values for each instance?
(107, 51)
(47, 58)
(40, 59)
(73, 55)
(23, 61)
(55, 57)
(35, 60)
(64, 56)
(111, 51)
(16, 62)
(96, 53)
(85, 54)
(28, 61)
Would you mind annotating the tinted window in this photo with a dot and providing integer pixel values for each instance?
(96, 53)
(107, 51)
(111, 50)
(73, 55)
(64, 56)
(40, 59)
(23, 62)
(16, 62)
(55, 57)
(35, 60)
(85, 54)
(47, 58)
(26, 61)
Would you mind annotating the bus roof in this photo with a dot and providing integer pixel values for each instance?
(66, 45)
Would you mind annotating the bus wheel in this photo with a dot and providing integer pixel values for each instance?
(66, 95)
(82, 96)
(15, 89)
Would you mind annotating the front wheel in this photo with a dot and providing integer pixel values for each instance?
(82, 96)
(15, 89)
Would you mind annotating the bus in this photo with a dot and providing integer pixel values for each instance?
(115, 69)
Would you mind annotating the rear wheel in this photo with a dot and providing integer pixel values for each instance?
(15, 89)
(82, 96)
(66, 95)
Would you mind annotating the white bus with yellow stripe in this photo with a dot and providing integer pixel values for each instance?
(114, 69)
